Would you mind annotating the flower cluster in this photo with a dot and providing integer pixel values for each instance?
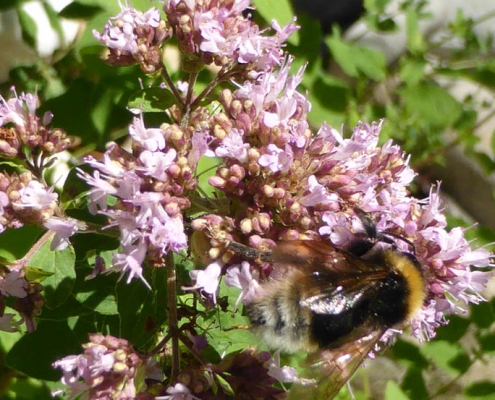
(152, 184)
(215, 31)
(26, 136)
(24, 199)
(249, 374)
(135, 37)
(106, 370)
(150, 187)
(318, 193)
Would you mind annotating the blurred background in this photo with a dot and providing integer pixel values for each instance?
(427, 67)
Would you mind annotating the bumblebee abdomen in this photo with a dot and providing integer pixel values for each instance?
(383, 305)
(278, 319)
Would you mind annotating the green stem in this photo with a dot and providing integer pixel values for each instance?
(171, 85)
(172, 313)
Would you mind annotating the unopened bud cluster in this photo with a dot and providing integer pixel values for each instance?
(134, 37)
(24, 135)
(107, 369)
(24, 200)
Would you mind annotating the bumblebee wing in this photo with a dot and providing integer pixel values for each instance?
(333, 293)
(334, 367)
(319, 256)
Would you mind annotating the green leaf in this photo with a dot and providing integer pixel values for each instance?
(34, 352)
(8, 339)
(357, 60)
(329, 99)
(227, 389)
(15, 243)
(413, 382)
(281, 11)
(406, 351)
(8, 4)
(11, 163)
(394, 392)
(309, 55)
(24, 388)
(97, 294)
(36, 274)
(483, 314)
(78, 10)
(412, 71)
(230, 336)
(29, 28)
(142, 311)
(207, 167)
(152, 100)
(415, 41)
(88, 242)
(434, 104)
(484, 389)
(60, 264)
(455, 329)
(448, 356)
(487, 342)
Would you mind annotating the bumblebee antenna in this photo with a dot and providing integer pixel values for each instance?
(371, 232)
(400, 237)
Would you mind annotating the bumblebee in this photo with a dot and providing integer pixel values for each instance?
(335, 304)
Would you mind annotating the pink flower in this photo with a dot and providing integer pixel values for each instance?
(21, 111)
(276, 159)
(13, 283)
(64, 229)
(130, 262)
(168, 234)
(207, 279)
(318, 194)
(178, 392)
(157, 163)
(281, 374)
(36, 196)
(99, 193)
(151, 139)
(233, 146)
(241, 277)
(7, 323)
(199, 147)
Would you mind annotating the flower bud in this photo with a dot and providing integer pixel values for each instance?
(237, 171)
(246, 225)
(268, 191)
(219, 132)
(235, 108)
(120, 355)
(254, 168)
(174, 170)
(233, 181)
(265, 221)
(279, 193)
(226, 97)
(217, 182)
(224, 172)
(214, 253)
(306, 222)
(253, 154)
